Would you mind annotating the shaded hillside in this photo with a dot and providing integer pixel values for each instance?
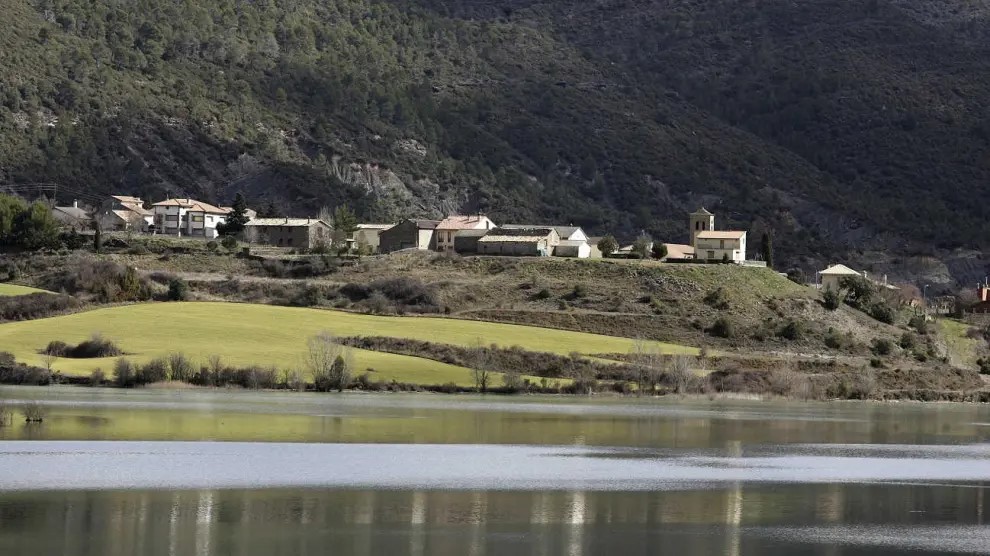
(823, 121)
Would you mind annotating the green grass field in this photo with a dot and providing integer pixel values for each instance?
(963, 350)
(246, 334)
(7, 290)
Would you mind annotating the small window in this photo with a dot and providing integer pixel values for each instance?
(711, 254)
(197, 218)
(288, 241)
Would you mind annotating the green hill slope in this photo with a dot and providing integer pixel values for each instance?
(836, 124)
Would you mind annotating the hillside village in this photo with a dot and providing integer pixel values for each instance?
(475, 234)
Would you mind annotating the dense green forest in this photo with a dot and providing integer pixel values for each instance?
(831, 123)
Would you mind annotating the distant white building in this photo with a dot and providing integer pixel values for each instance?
(188, 217)
(831, 278)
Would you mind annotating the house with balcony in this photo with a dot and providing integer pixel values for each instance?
(188, 218)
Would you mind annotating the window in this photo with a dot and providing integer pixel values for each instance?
(711, 254)
(172, 217)
(197, 218)
(288, 241)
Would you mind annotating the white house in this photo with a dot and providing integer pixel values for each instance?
(713, 245)
(720, 246)
(831, 278)
(188, 217)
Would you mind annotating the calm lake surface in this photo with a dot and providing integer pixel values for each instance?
(114, 472)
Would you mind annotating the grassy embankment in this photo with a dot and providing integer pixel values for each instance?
(963, 349)
(245, 334)
(7, 290)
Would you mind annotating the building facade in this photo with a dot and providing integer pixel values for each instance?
(408, 234)
(299, 233)
(721, 246)
(369, 235)
(188, 217)
(538, 242)
(447, 229)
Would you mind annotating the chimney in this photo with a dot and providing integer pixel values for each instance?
(286, 219)
(75, 203)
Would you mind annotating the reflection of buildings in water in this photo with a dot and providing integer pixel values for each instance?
(417, 522)
(576, 515)
(479, 507)
(828, 505)
(733, 505)
(204, 522)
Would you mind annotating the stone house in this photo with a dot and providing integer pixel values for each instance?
(299, 233)
(466, 241)
(519, 242)
(572, 248)
(408, 234)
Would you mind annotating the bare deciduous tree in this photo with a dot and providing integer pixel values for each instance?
(330, 363)
(649, 364)
(480, 366)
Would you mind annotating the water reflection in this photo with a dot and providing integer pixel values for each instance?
(749, 520)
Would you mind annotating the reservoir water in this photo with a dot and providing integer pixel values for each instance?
(175, 472)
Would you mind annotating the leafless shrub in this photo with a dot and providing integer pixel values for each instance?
(33, 412)
(6, 416)
(329, 362)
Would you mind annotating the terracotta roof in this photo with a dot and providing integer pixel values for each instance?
(462, 222)
(839, 270)
(126, 199)
(124, 215)
(374, 226)
(192, 204)
(136, 208)
(721, 235)
(679, 251)
(294, 222)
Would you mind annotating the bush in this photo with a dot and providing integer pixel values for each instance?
(212, 246)
(882, 347)
(229, 243)
(883, 313)
(96, 346)
(721, 328)
(831, 299)
(12, 372)
(153, 371)
(834, 340)
(579, 291)
(542, 294)
(124, 373)
(106, 280)
(907, 341)
(791, 331)
(717, 299)
(984, 364)
(97, 377)
(178, 290)
(919, 323)
(36, 306)
(180, 367)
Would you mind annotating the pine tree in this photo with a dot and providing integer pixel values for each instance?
(237, 217)
(768, 249)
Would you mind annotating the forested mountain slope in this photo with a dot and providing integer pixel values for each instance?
(837, 124)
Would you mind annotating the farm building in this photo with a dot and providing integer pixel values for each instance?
(447, 229)
(572, 248)
(466, 241)
(566, 233)
(301, 233)
(408, 234)
(712, 245)
(519, 241)
(369, 234)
